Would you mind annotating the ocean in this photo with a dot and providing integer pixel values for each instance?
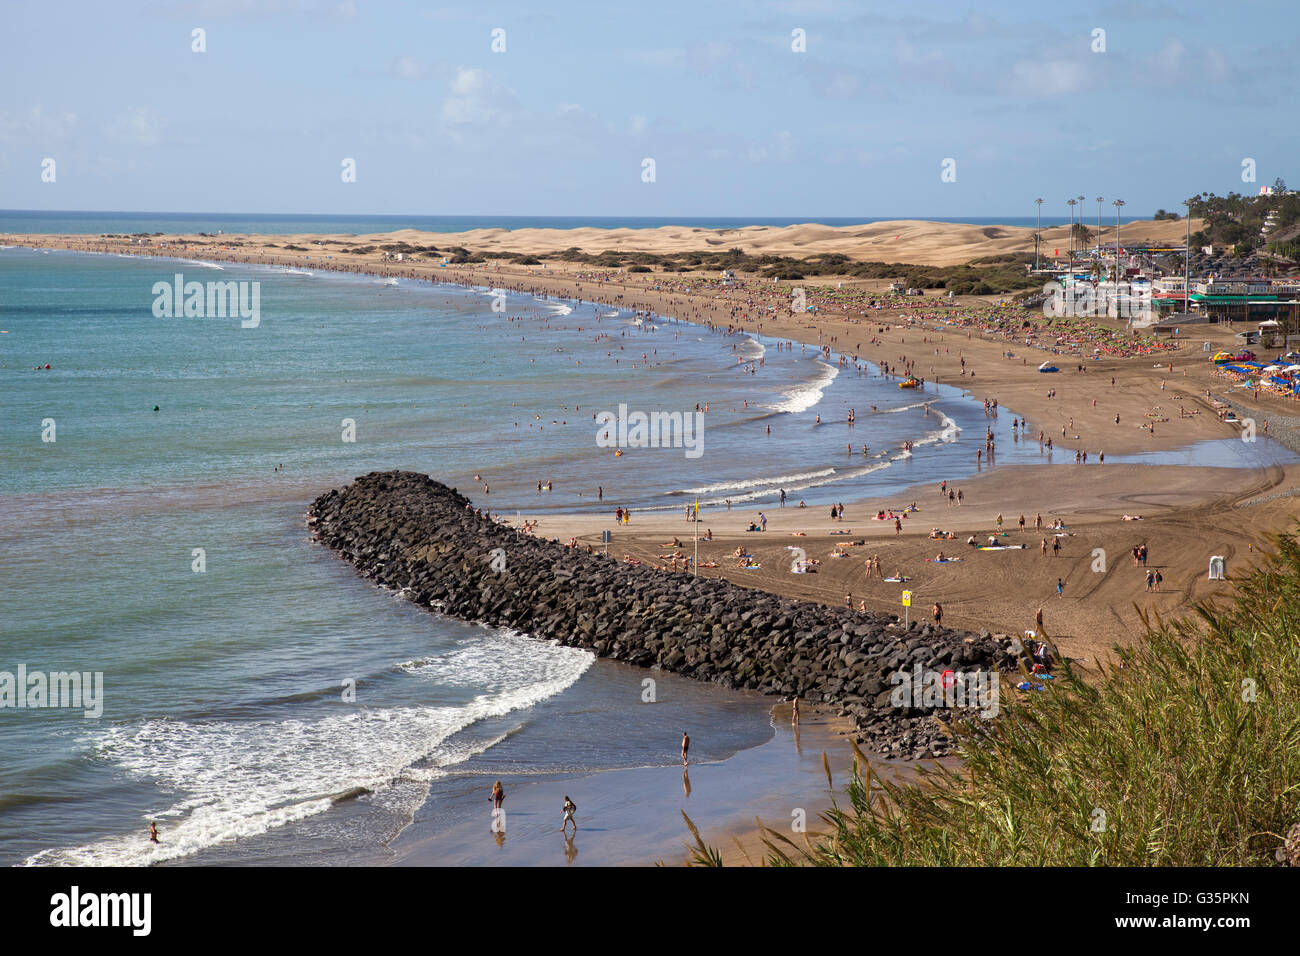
(253, 686)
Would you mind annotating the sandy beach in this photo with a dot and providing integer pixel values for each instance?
(1194, 500)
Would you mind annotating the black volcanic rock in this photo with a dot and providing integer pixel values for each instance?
(407, 532)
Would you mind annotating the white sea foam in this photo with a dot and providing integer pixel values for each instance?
(758, 482)
(904, 408)
(766, 487)
(557, 308)
(241, 778)
(805, 396)
(836, 476)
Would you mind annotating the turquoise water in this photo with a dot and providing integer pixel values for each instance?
(224, 710)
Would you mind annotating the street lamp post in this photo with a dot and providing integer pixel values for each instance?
(1187, 261)
(1081, 199)
(1118, 203)
(1099, 202)
(1039, 232)
(1070, 245)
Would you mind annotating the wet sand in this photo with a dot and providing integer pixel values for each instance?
(634, 817)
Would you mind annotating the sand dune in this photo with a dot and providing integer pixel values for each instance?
(903, 240)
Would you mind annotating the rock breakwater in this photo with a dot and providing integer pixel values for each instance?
(407, 532)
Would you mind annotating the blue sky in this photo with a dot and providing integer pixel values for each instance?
(737, 122)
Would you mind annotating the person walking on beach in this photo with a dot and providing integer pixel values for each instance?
(960, 496)
(1038, 522)
(1159, 578)
(153, 831)
(570, 808)
(937, 612)
(1038, 621)
(1151, 580)
(1056, 547)
(1060, 586)
(498, 796)
(794, 710)
(898, 526)
(686, 747)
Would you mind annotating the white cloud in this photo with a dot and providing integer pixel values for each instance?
(1048, 77)
(476, 99)
(1169, 60)
(137, 126)
(407, 67)
(36, 126)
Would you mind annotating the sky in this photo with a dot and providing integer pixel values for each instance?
(816, 108)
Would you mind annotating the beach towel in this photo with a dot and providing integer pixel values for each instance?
(944, 561)
(1002, 547)
(898, 580)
